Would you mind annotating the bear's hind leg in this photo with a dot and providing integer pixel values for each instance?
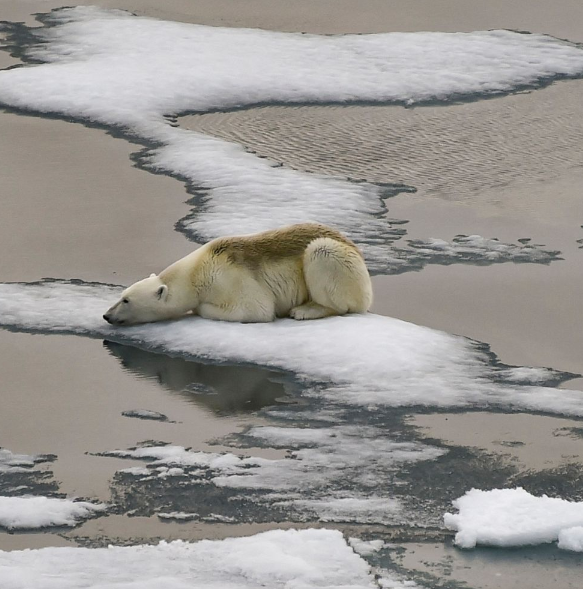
(337, 279)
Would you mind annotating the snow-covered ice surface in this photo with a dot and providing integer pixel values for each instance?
(366, 360)
(291, 559)
(41, 512)
(514, 517)
(95, 66)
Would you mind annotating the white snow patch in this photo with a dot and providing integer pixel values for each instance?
(514, 517)
(571, 539)
(290, 559)
(41, 512)
(117, 69)
(360, 359)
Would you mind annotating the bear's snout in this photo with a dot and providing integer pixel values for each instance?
(112, 321)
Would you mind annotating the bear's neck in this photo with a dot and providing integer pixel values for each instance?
(183, 296)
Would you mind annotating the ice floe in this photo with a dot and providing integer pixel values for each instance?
(362, 360)
(41, 512)
(147, 414)
(514, 517)
(302, 559)
(364, 547)
(10, 462)
(96, 66)
(472, 248)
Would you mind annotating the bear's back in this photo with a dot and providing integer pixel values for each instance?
(272, 246)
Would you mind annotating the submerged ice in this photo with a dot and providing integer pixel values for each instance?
(97, 67)
(341, 473)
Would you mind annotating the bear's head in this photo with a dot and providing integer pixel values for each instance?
(143, 302)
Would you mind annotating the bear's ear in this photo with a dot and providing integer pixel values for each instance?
(152, 275)
(162, 292)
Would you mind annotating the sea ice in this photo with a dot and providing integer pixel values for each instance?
(98, 67)
(10, 462)
(362, 360)
(364, 547)
(514, 517)
(147, 414)
(41, 512)
(290, 559)
(359, 457)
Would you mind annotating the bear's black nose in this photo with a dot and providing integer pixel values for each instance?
(107, 318)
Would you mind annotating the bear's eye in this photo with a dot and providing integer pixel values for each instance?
(125, 301)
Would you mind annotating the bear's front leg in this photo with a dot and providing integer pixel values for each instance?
(241, 314)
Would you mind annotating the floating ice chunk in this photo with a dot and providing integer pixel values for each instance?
(514, 517)
(571, 539)
(364, 547)
(302, 559)
(473, 248)
(527, 375)
(359, 360)
(41, 512)
(145, 414)
(178, 455)
(10, 462)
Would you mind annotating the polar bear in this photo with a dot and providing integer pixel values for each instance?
(304, 271)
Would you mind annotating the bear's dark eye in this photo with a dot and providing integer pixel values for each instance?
(125, 301)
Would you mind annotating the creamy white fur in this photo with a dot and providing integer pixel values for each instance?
(305, 271)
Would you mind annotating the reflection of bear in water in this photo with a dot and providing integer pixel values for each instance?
(222, 388)
(304, 271)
